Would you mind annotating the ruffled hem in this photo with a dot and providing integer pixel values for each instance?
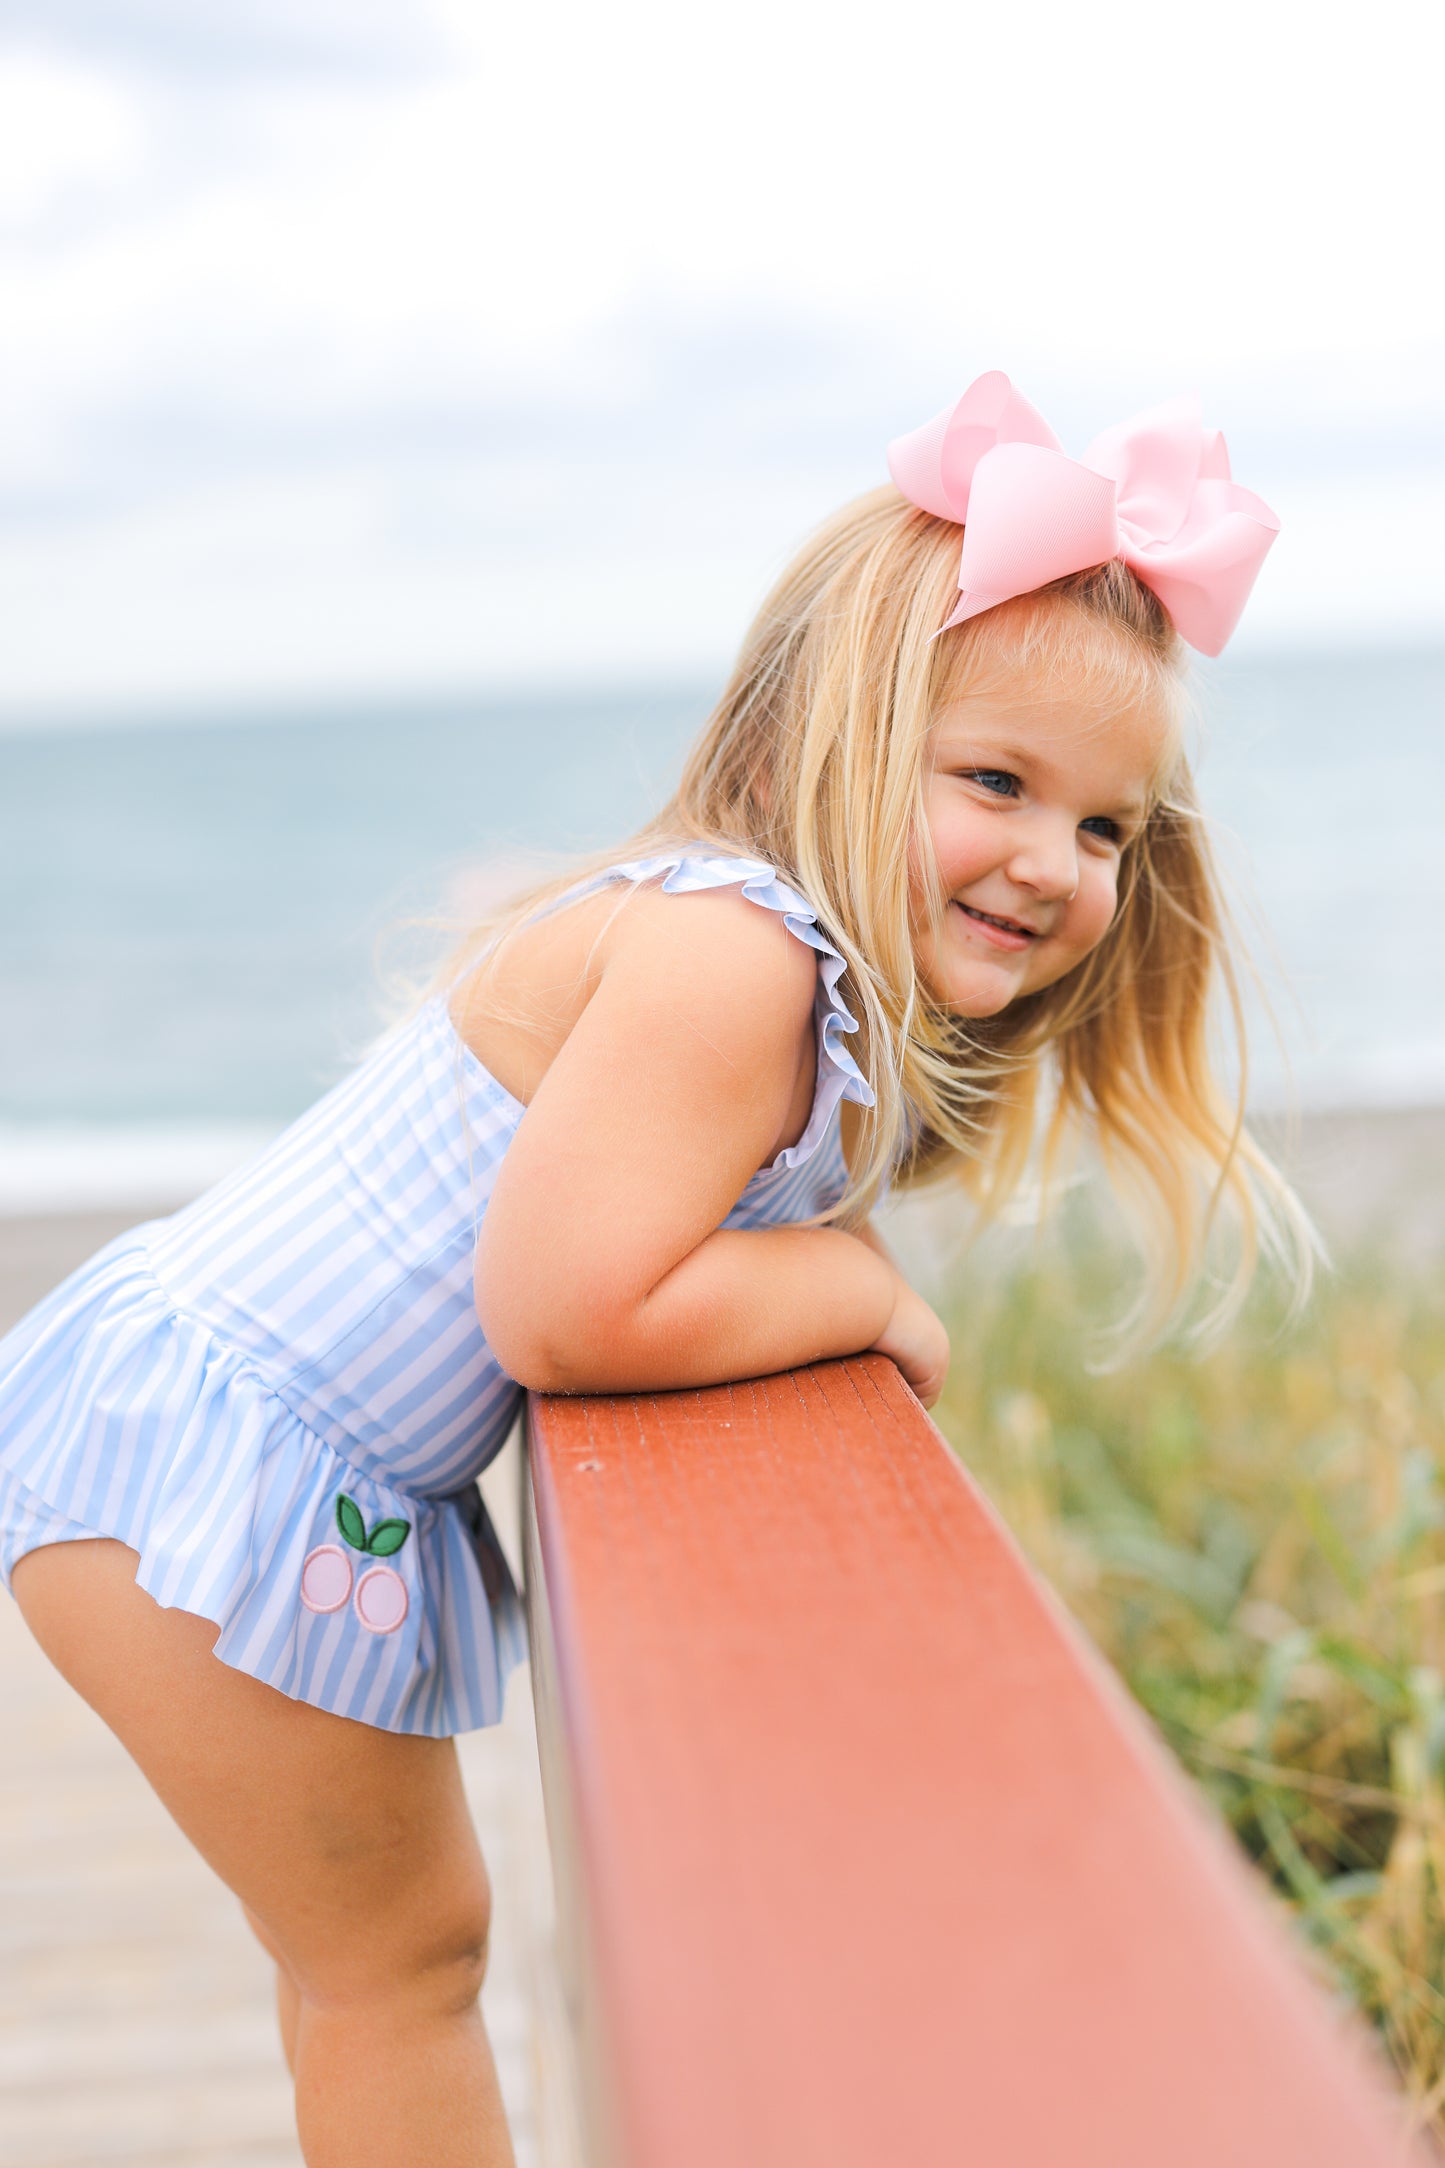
(839, 1076)
(121, 1416)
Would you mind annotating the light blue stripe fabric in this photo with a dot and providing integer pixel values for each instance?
(209, 1385)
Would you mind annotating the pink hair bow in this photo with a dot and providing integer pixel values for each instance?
(1155, 490)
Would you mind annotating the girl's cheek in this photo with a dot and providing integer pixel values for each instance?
(1102, 906)
(1090, 914)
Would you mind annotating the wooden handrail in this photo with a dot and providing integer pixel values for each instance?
(872, 1858)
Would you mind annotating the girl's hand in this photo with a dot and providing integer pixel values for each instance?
(916, 1340)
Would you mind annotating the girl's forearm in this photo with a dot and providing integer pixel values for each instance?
(741, 1304)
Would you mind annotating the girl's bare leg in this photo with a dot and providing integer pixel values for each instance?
(351, 1849)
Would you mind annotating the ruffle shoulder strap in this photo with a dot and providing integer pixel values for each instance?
(687, 869)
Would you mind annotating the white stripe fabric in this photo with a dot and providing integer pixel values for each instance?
(259, 1392)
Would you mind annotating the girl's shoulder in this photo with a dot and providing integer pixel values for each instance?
(737, 917)
(711, 941)
(755, 940)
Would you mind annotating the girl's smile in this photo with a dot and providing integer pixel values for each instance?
(1030, 806)
(1003, 932)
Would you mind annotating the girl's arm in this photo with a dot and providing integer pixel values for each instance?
(600, 1265)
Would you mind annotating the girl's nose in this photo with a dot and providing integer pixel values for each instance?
(1046, 859)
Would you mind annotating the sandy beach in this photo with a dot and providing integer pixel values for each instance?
(1373, 1179)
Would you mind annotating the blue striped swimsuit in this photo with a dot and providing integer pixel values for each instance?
(281, 1396)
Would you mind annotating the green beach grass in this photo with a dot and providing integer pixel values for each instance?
(1256, 1539)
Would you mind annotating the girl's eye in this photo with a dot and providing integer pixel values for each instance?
(997, 780)
(1099, 824)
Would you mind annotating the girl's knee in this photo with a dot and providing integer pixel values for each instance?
(449, 1980)
(446, 1956)
(440, 1978)
(424, 1950)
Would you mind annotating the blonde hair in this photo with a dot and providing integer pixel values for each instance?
(813, 759)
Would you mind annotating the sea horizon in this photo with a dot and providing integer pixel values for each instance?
(192, 907)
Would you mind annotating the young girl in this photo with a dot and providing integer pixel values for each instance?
(932, 894)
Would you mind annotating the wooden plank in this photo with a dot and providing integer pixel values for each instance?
(880, 1863)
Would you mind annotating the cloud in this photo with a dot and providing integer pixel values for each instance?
(316, 335)
(64, 132)
(333, 38)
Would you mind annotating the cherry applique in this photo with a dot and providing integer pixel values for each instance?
(380, 1599)
(326, 1578)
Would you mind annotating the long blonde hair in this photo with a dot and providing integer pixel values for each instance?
(813, 759)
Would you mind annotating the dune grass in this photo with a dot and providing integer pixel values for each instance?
(1256, 1538)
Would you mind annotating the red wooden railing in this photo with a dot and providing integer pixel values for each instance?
(871, 1858)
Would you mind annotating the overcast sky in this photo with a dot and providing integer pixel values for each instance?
(369, 346)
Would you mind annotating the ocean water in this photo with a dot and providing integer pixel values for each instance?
(190, 913)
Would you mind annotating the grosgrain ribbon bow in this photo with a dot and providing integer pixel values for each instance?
(1155, 490)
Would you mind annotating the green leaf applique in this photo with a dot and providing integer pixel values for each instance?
(385, 1539)
(350, 1522)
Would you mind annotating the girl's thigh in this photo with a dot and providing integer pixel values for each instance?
(352, 1848)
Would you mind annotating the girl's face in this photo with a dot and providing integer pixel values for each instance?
(1030, 806)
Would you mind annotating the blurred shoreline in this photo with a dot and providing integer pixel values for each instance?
(1373, 1178)
(208, 926)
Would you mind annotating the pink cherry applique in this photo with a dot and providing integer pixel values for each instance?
(326, 1578)
(380, 1600)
